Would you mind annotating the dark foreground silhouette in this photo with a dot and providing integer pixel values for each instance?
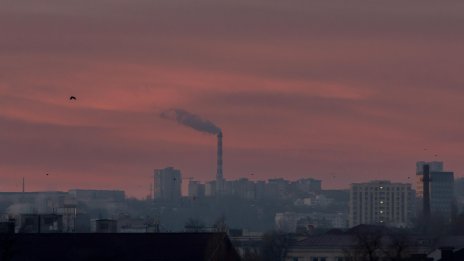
(96, 246)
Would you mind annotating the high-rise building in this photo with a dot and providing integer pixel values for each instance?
(441, 188)
(196, 189)
(167, 184)
(459, 192)
(433, 165)
(242, 188)
(307, 185)
(277, 188)
(381, 202)
(210, 189)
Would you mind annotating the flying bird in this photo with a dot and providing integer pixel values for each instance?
(72, 98)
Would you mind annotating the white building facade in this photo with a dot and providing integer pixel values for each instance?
(381, 202)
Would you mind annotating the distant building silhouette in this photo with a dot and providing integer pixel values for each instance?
(104, 196)
(433, 166)
(196, 189)
(441, 188)
(106, 226)
(242, 188)
(254, 190)
(381, 202)
(459, 192)
(210, 189)
(292, 222)
(167, 184)
(44, 223)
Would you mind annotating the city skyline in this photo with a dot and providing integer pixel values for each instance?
(332, 91)
(185, 182)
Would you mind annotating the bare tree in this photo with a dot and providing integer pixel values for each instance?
(251, 255)
(194, 225)
(6, 246)
(397, 245)
(368, 244)
(379, 243)
(274, 245)
(220, 224)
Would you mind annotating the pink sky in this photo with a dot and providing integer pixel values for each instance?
(300, 88)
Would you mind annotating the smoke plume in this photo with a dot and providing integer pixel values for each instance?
(191, 120)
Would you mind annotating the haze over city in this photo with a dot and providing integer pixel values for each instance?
(330, 90)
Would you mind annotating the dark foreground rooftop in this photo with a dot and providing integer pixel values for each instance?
(144, 247)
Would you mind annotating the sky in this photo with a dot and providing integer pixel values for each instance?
(343, 91)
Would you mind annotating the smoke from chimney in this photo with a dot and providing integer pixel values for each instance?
(197, 123)
(191, 120)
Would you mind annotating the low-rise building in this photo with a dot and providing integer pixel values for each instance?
(358, 243)
(291, 222)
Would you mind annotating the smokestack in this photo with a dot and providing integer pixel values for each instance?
(219, 174)
(203, 125)
(426, 190)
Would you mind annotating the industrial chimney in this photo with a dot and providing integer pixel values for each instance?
(219, 174)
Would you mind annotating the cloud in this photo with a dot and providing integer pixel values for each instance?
(368, 82)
